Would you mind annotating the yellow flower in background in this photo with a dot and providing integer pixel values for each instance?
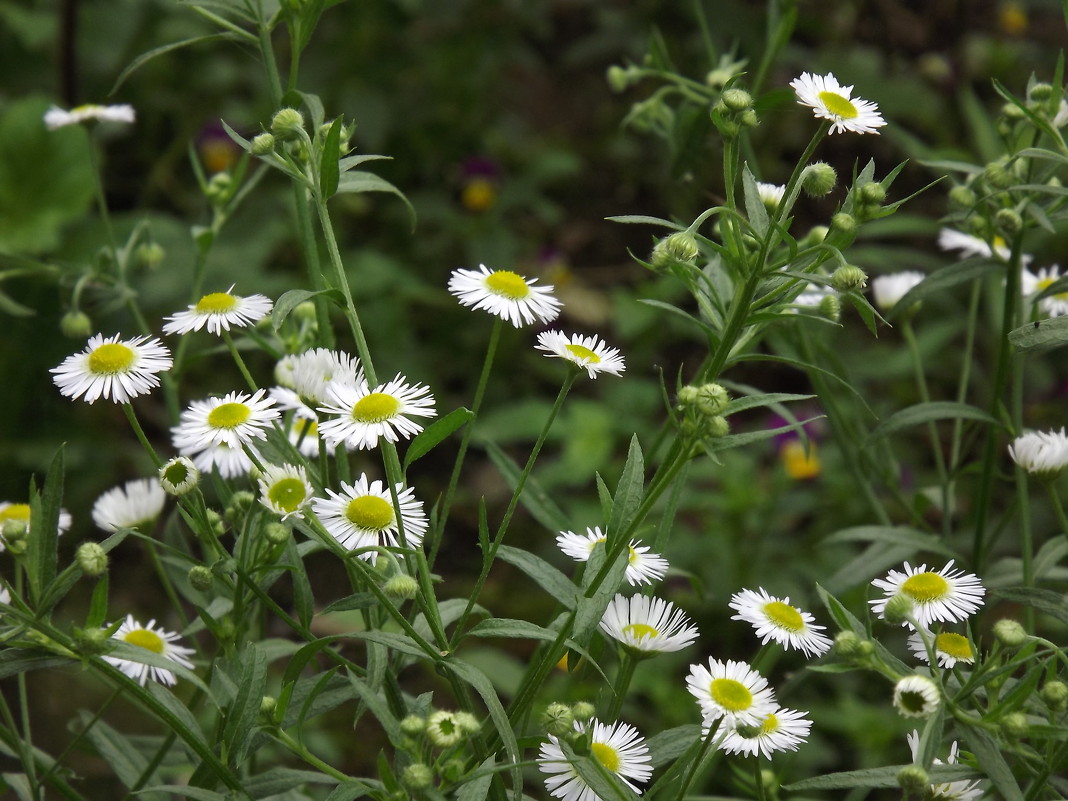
(799, 462)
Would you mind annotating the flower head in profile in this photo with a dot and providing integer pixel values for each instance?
(770, 195)
(781, 730)
(285, 490)
(963, 790)
(365, 414)
(946, 595)
(643, 567)
(916, 697)
(112, 368)
(1041, 453)
(218, 311)
(506, 294)
(591, 352)
(969, 246)
(1055, 305)
(155, 639)
(311, 372)
(949, 648)
(56, 117)
(647, 625)
(136, 504)
(619, 748)
(829, 100)
(363, 516)
(229, 460)
(775, 619)
(15, 521)
(889, 289)
(234, 420)
(732, 691)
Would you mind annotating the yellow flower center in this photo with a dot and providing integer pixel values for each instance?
(16, 511)
(216, 303)
(606, 755)
(145, 639)
(508, 284)
(954, 645)
(730, 694)
(838, 105)
(640, 631)
(771, 724)
(925, 587)
(287, 494)
(580, 352)
(375, 408)
(784, 616)
(369, 512)
(228, 415)
(110, 358)
(633, 554)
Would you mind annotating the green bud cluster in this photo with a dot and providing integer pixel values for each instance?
(287, 124)
(898, 609)
(734, 112)
(962, 198)
(622, 78)
(679, 246)
(240, 502)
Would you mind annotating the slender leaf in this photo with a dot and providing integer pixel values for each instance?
(329, 169)
(878, 777)
(628, 494)
(641, 219)
(436, 433)
(1045, 601)
(1041, 334)
(921, 413)
(44, 525)
(754, 206)
(545, 575)
(988, 755)
(356, 182)
(144, 58)
(534, 498)
(242, 714)
(285, 305)
(477, 789)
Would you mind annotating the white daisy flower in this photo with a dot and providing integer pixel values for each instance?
(732, 691)
(1061, 118)
(889, 289)
(365, 415)
(179, 476)
(5, 595)
(781, 730)
(310, 373)
(158, 641)
(136, 504)
(968, 246)
(775, 619)
(284, 489)
(303, 427)
(362, 516)
(812, 295)
(590, 352)
(947, 595)
(1052, 305)
(56, 117)
(230, 461)
(618, 747)
(949, 648)
(829, 100)
(963, 790)
(1041, 453)
(506, 294)
(643, 567)
(235, 420)
(15, 517)
(647, 625)
(916, 697)
(114, 369)
(218, 311)
(770, 195)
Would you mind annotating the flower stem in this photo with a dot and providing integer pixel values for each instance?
(229, 340)
(622, 683)
(128, 409)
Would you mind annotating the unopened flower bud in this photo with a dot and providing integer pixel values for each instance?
(737, 99)
(276, 533)
(91, 558)
(150, 254)
(240, 502)
(90, 642)
(179, 476)
(76, 324)
(401, 587)
(453, 769)
(1041, 92)
(898, 609)
(818, 179)
(1010, 633)
(749, 118)
(413, 725)
(305, 311)
(558, 719)
(263, 144)
(14, 533)
(962, 198)
(680, 246)
(728, 128)
(1015, 725)
(442, 729)
(718, 426)
(219, 187)
(843, 223)
(1012, 112)
(847, 644)
(201, 578)
(215, 520)
(267, 705)
(849, 277)
(1055, 695)
(287, 124)
(997, 176)
(417, 776)
(1008, 221)
(913, 780)
(468, 722)
(816, 234)
(583, 711)
(618, 78)
(716, 78)
(872, 193)
(830, 307)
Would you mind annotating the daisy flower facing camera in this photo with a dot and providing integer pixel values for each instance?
(591, 352)
(136, 504)
(916, 697)
(506, 294)
(365, 415)
(285, 490)
(642, 568)
(732, 691)
(233, 420)
(112, 368)
(362, 516)
(647, 625)
(158, 641)
(781, 730)
(949, 648)
(829, 100)
(775, 619)
(946, 596)
(618, 747)
(218, 311)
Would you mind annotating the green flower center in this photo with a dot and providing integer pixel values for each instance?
(287, 494)
(228, 415)
(731, 694)
(954, 645)
(606, 755)
(784, 616)
(580, 352)
(110, 358)
(16, 511)
(838, 105)
(508, 284)
(925, 587)
(369, 512)
(375, 408)
(216, 303)
(176, 473)
(913, 701)
(145, 639)
(640, 630)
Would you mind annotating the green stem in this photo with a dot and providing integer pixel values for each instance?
(1058, 507)
(229, 340)
(299, 750)
(270, 64)
(128, 409)
(622, 683)
(932, 431)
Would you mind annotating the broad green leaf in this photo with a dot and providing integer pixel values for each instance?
(18, 660)
(754, 206)
(878, 777)
(314, 105)
(349, 162)
(315, 695)
(478, 788)
(121, 756)
(514, 629)
(98, 604)
(628, 494)
(303, 598)
(44, 525)
(436, 433)
(545, 575)
(275, 781)
(847, 622)
(353, 789)
(135, 653)
(378, 707)
(329, 169)
(243, 712)
(1041, 334)
(285, 305)
(184, 791)
(591, 608)
(921, 413)
(988, 754)
(672, 743)
(356, 182)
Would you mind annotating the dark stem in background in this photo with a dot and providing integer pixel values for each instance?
(66, 45)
